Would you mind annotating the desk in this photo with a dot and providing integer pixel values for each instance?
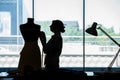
(104, 76)
(69, 75)
(47, 75)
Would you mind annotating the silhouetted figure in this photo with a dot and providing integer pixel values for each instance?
(30, 54)
(53, 48)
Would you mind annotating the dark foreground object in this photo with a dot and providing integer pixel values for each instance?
(54, 75)
(64, 74)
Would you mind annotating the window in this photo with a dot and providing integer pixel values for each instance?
(71, 14)
(9, 21)
(98, 49)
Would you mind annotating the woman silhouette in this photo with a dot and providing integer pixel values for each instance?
(54, 46)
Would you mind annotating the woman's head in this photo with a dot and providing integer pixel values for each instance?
(57, 25)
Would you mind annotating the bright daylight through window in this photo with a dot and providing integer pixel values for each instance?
(98, 49)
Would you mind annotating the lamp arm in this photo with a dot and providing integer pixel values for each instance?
(112, 62)
(109, 36)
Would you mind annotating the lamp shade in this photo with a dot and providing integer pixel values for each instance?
(92, 30)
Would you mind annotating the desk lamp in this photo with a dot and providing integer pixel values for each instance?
(93, 31)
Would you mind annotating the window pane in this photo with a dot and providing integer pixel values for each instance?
(100, 50)
(12, 14)
(71, 15)
(8, 32)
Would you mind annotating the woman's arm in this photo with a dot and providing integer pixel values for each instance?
(43, 38)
